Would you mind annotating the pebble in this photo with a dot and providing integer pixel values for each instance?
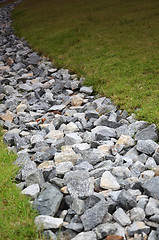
(89, 168)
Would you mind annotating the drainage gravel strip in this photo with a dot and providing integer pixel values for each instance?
(90, 169)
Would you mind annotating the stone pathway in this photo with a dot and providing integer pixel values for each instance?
(90, 169)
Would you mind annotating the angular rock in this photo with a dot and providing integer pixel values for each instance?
(8, 116)
(32, 191)
(79, 183)
(121, 217)
(87, 90)
(108, 181)
(138, 228)
(126, 200)
(150, 187)
(94, 216)
(85, 236)
(146, 146)
(137, 214)
(72, 138)
(47, 222)
(104, 133)
(48, 201)
(147, 133)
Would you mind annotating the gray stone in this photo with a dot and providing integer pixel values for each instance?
(91, 114)
(92, 156)
(121, 217)
(138, 227)
(28, 168)
(105, 229)
(63, 167)
(48, 201)
(150, 187)
(32, 191)
(49, 235)
(148, 133)
(85, 236)
(35, 177)
(78, 206)
(77, 227)
(104, 133)
(94, 216)
(152, 235)
(137, 214)
(57, 107)
(146, 146)
(156, 155)
(79, 183)
(47, 222)
(87, 90)
(152, 207)
(126, 200)
(72, 138)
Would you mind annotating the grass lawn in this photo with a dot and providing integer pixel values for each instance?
(16, 214)
(113, 44)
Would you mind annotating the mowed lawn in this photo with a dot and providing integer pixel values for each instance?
(114, 44)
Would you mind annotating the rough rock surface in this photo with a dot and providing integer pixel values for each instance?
(89, 168)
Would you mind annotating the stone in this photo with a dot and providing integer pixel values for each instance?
(47, 222)
(57, 107)
(69, 128)
(126, 141)
(91, 114)
(150, 187)
(103, 133)
(146, 146)
(78, 206)
(85, 236)
(86, 90)
(137, 214)
(63, 167)
(79, 183)
(28, 168)
(152, 207)
(92, 156)
(8, 116)
(126, 200)
(75, 85)
(66, 155)
(121, 217)
(72, 138)
(94, 216)
(138, 227)
(21, 108)
(152, 235)
(55, 135)
(148, 133)
(48, 201)
(35, 178)
(31, 191)
(36, 138)
(77, 100)
(81, 147)
(156, 155)
(108, 181)
(104, 229)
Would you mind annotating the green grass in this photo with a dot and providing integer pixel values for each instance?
(16, 214)
(113, 44)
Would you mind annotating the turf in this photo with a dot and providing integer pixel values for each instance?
(16, 213)
(113, 44)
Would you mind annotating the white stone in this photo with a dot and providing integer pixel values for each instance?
(44, 222)
(31, 191)
(72, 138)
(36, 138)
(120, 216)
(55, 135)
(126, 141)
(108, 181)
(70, 127)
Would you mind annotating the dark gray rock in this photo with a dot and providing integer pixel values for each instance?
(148, 133)
(126, 200)
(94, 216)
(150, 187)
(48, 201)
